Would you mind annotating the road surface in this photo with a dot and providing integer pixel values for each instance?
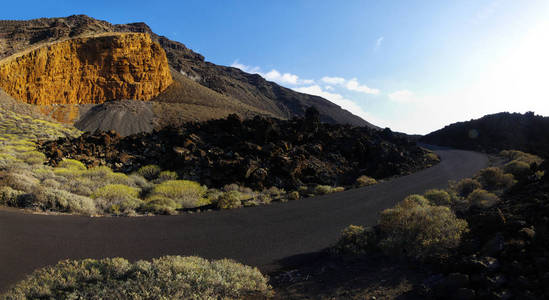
(259, 236)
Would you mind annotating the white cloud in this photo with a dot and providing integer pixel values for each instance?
(333, 80)
(351, 85)
(329, 87)
(273, 75)
(345, 103)
(401, 96)
(378, 42)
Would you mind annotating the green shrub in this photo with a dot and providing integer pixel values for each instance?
(63, 201)
(33, 157)
(22, 182)
(229, 200)
(365, 181)
(354, 240)
(518, 168)
(9, 196)
(186, 193)
(160, 205)
(116, 192)
(67, 172)
(120, 199)
(168, 277)
(482, 199)
(150, 172)
(294, 195)
(467, 186)
(438, 197)
(417, 229)
(493, 178)
(167, 175)
(521, 156)
(72, 164)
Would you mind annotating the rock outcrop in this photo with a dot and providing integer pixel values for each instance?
(88, 70)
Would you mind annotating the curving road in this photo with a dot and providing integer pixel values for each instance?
(260, 236)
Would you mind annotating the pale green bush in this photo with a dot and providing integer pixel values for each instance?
(438, 197)
(121, 199)
(294, 195)
(417, 229)
(186, 193)
(466, 186)
(160, 205)
(150, 172)
(22, 182)
(167, 175)
(354, 240)
(521, 156)
(32, 157)
(229, 200)
(72, 164)
(168, 277)
(482, 199)
(365, 181)
(518, 168)
(493, 178)
(63, 201)
(9, 196)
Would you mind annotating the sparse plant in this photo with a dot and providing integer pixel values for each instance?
(482, 198)
(186, 193)
(168, 277)
(365, 181)
(493, 178)
(518, 168)
(294, 195)
(150, 172)
(420, 230)
(466, 186)
(229, 200)
(354, 240)
(160, 205)
(72, 164)
(438, 197)
(167, 175)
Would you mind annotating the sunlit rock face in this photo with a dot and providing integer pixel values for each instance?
(88, 70)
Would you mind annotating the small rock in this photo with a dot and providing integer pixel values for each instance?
(528, 232)
(464, 294)
(494, 246)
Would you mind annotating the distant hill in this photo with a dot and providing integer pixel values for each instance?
(492, 133)
(215, 91)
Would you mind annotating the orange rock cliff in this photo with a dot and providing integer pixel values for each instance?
(88, 70)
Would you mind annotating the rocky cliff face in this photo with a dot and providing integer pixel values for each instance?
(88, 70)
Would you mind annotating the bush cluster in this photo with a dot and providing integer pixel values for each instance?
(168, 277)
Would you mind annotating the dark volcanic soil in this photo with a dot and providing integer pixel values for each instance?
(257, 153)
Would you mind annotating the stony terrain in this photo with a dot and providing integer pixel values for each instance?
(208, 87)
(493, 133)
(258, 152)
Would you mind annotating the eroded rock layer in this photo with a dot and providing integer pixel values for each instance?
(88, 70)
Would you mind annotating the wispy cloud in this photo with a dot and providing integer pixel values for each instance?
(402, 96)
(351, 84)
(378, 42)
(273, 75)
(486, 12)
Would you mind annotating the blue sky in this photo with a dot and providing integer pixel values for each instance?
(413, 66)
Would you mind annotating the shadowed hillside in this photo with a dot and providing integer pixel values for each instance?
(493, 133)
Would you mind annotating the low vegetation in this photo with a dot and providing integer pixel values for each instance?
(168, 277)
(426, 226)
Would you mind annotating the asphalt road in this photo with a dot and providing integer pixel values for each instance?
(260, 236)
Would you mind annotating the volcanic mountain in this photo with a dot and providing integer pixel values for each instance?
(75, 66)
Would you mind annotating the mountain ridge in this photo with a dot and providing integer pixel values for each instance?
(249, 89)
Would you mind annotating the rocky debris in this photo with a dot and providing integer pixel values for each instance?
(506, 259)
(257, 153)
(493, 133)
(88, 70)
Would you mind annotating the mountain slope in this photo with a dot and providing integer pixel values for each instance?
(493, 133)
(253, 94)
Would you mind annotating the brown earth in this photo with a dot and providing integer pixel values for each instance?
(88, 70)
